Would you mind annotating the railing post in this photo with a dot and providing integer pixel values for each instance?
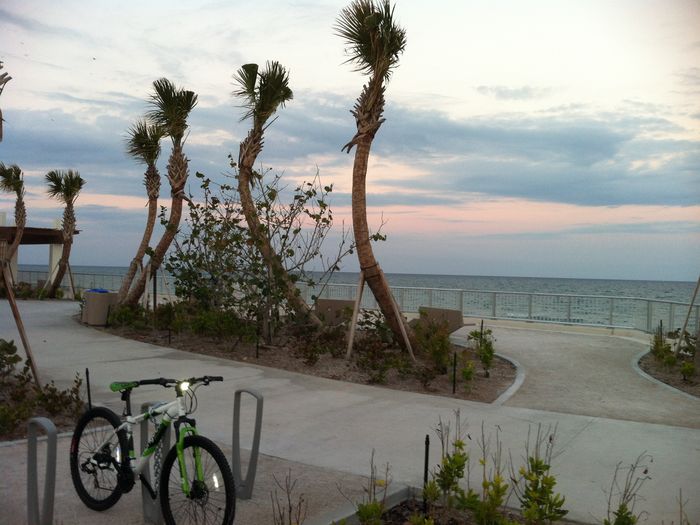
(461, 302)
(493, 305)
(244, 487)
(612, 310)
(529, 306)
(430, 297)
(671, 317)
(568, 310)
(33, 517)
(151, 507)
(649, 315)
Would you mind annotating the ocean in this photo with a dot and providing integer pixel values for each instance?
(680, 291)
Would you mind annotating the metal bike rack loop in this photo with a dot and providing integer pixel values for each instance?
(151, 507)
(33, 516)
(244, 487)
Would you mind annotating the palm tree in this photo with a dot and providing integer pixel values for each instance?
(144, 145)
(64, 186)
(171, 108)
(4, 79)
(11, 181)
(374, 43)
(261, 93)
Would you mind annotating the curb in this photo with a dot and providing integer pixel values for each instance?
(347, 513)
(642, 373)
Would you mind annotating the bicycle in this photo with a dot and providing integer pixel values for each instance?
(200, 490)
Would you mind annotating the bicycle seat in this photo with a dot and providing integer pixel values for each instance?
(120, 386)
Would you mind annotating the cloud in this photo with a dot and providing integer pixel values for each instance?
(514, 93)
(35, 26)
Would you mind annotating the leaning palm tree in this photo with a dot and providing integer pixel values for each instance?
(261, 93)
(64, 186)
(144, 145)
(374, 42)
(11, 181)
(171, 108)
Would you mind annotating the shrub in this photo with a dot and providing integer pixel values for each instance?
(484, 347)
(433, 338)
(687, 370)
(20, 397)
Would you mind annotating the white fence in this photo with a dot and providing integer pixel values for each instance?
(587, 310)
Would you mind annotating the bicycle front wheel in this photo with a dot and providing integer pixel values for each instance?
(96, 453)
(212, 495)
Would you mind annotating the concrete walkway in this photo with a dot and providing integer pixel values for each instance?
(335, 425)
(587, 373)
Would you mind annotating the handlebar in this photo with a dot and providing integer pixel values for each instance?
(162, 381)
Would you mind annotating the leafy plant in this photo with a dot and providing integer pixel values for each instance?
(20, 397)
(433, 338)
(369, 511)
(484, 347)
(660, 348)
(622, 496)
(687, 370)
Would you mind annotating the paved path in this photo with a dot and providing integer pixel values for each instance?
(331, 424)
(588, 374)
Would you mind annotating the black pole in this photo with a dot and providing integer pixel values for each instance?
(87, 383)
(425, 472)
(454, 373)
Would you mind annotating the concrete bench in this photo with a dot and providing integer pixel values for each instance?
(334, 311)
(453, 318)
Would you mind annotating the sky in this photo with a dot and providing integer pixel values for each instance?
(548, 138)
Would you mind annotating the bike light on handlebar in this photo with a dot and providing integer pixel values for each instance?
(184, 386)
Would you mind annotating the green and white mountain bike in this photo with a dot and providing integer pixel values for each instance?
(195, 483)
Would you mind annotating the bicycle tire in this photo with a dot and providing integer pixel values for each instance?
(206, 503)
(97, 485)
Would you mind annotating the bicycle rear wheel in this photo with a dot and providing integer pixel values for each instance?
(96, 452)
(212, 497)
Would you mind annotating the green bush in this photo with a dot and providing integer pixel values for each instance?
(433, 339)
(687, 370)
(484, 347)
(20, 398)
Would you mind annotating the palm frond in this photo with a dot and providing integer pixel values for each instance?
(143, 142)
(54, 180)
(262, 92)
(273, 90)
(11, 179)
(374, 40)
(171, 107)
(246, 78)
(64, 185)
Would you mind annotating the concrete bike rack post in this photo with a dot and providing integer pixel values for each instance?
(46, 517)
(244, 487)
(151, 507)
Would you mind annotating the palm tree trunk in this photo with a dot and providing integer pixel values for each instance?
(137, 261)
(248, 152)
(374, 277)
(159, 252)
(177, 175)
(20, 222)
(68, 229)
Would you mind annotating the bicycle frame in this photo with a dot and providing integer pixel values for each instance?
(172, 412)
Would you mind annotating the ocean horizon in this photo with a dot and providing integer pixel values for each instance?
(680, 291)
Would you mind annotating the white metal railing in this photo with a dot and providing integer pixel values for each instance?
(586, 310)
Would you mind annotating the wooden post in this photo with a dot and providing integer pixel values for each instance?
(402, 326)
(685, 324)
(18, 321)
(355, 313)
